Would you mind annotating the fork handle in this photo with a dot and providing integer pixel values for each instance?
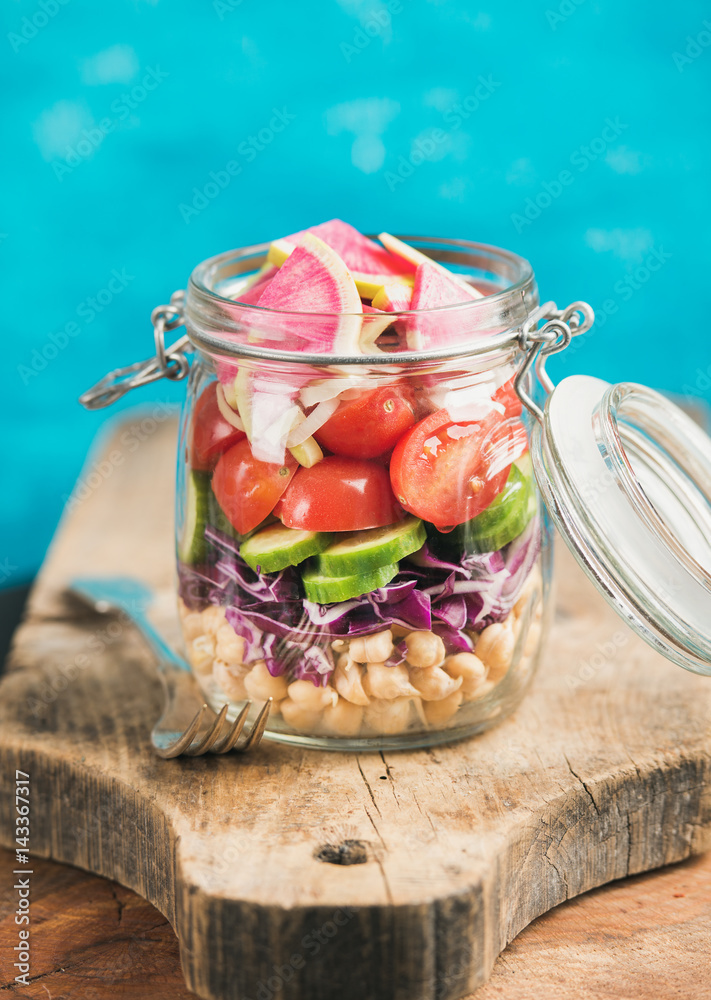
(166, 659)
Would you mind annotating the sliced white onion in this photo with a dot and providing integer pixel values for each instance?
(226, 410)
(319, 392)
(272, 420)
(307, 427)
(351, 394)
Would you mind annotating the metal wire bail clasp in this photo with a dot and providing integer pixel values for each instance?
(540, 342)
(168, 362)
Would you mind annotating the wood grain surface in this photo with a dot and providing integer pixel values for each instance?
(603, 772)
(646, 936)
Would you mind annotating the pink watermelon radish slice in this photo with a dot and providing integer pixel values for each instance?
(313, 280)
(249, 294)
(316, 309)
(415, 257)
(251, 290)
(435, 287)
(370, 264)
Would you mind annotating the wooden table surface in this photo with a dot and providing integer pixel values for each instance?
(642, 937)
(646, 936)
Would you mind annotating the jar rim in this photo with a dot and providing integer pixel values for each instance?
(210, 314)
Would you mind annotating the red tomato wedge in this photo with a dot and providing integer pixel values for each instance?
(340, 494)
(447, 472)
(369, 425)
(247, 489)
(507, 395)
(211, 434)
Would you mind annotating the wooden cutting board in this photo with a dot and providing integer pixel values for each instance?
(605, 770)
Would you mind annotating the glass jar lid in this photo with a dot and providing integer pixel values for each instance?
(626, 477)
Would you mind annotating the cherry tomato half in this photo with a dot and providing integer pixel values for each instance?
(339, 494)
(369, 425)
(247, 489)
(211, 434)
(447, 472)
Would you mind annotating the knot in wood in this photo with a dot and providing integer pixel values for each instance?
(348, 852)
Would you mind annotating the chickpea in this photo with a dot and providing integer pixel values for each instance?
(356, 651)
(433, 683)
(482, 691)
(343, 719)
(230, 646)
(348, 681)
(230, 679)
(532, 639)
(298, 717)
(212, 618)
(532, 581)
(388, 717)
(520, 606)
(192, 625)
(261, 685)
(495, 647)
(311, 698)
(424, 649)
(438, 713)
(371, 648)
(201, 653)
(470, 668)
(516, 624)
(387, 682)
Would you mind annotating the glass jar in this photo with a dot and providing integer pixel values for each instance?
(447, 635)
(361, 536)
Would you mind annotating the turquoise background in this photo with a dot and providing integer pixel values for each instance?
(366, 83)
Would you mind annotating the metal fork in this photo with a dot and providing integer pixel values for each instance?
(181, 730)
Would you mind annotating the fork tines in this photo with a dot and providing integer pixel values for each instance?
(213, 740)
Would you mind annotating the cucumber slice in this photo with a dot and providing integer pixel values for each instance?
(325, 589)
(502, 521)
(277, 547)
(192, 546)
(365, 550)
(201, 510)
(505, 518)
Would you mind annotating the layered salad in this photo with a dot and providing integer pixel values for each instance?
(358, 543)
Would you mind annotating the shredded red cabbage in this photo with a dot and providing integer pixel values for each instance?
(452, 611)
(221, 540)
(398, 654)
(277, 587)
(270, 648)
(253, 637)
(285, 630)
(426, 558)
(315, 664)
(195, 583)
(454, 638)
